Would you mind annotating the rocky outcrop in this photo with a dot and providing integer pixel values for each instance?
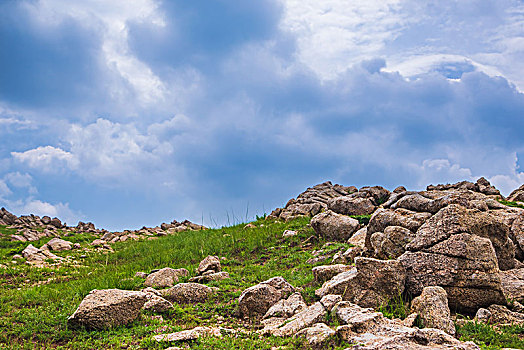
(311, 202)
(333, 226)
(391, 243)
(513, 284)
(370, 284)
(517, 195)
(107, 308)
(433, 310)
(351, 205)
(255, 301)
(482, 186)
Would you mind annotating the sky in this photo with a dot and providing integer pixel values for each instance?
(132, 113)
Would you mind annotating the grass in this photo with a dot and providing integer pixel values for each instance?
(36, 302)
(511, 204)
(491, 337)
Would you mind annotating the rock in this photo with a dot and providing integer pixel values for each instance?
(287, 307)
(255, 301)
(359, 238)
(210, 263)
(46, 220)
(517, 234)
(107, 308)
(326, 272)
(372, 283)
(333, 226)
(188, 293)
(377, 194)
(56, 223)
(317, 335)
(98, 242)
(164, 278)
(416, 202)
(464, 265)
(399, 189)
(348, 205)
(306, 318)
(330, 300)
(513, 284)
(392, 243)
(38, 256)
(483, 315)
(455, 219)
(486, 188)
(141, 274)
(155, 302)
(311, 202)
(218, 276)
(502, 315)
(289, 233)
(383, 218)
(432, 308)
(517, 195)
(189, 334)
(370, 330)
(58, 244)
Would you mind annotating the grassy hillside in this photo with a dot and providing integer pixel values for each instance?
(35, 302)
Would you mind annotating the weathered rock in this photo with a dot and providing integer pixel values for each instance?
(188, 293)
(483, 315)
(327, 272)
(517, 195)
(164, 278)
(107, 308)
(317, 335)
(517, 234)
(464, 265)
(399, 189)
(255, 301)
(432, 308)
(207, 277)
(330, 300)
(370, 330)
(502, 315)
(377, 194)
(383, 218)
(392, 243)
(513, 284)
(286, 308)
(306, 318)
(487, 188)
(189, 334)
(333, 226)
(311, 202)
(155, 302)
(350, 205)
(58, 244)
(359, 238)
(373, 282)
(210, 263)
(455, 219)
(37, 256)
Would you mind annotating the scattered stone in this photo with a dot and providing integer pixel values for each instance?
(289, 233)
(306, 318)
(255, 301)
(58, 244)
(188, 293)
(37, 256)
(285, 308)
(210, 263)
(317, 335)
(207, 277)
(327, 272)
(107, 308)
(333, 226)
(330, 300)
(359, 238)
(432, 308)
(155, 302)
(165, 277)
(189, 334)
(250, 225)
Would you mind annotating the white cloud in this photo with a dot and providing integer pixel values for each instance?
(47, 158)
(19, 180)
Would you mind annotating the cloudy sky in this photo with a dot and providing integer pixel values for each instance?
(130, 113)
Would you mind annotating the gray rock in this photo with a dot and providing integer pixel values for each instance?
(517, 195)
(350, 205)
(483, 315)
(189, 334)
(330, 300)
(255, 301)
(432, 308)
(317, 335)
(392, 243)
(306, 318)
(155, 302)
(286, 308)
(188, 293)
(327, 272)
(207, 277)
(164, 278)
(502, 315)
(210, 263)
(107, 308)
(513, 284)
(58, 244)
(333, 226)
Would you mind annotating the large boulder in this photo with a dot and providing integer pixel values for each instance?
(455, 219)
(351, 205)
(164, 278)
(107, 308)
(433, 310)
(58, 244)
(255, 301)
(333, 226)
(513, 284)
(392, 242)
(465, 265)
(371, 283)
(287, 307)
(188, 293)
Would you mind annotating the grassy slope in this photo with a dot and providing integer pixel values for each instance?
(34, 316)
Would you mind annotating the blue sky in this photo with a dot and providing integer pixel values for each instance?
(132, 113)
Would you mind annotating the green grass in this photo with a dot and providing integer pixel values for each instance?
(490, 337)
(362, 219)
(511, 204)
